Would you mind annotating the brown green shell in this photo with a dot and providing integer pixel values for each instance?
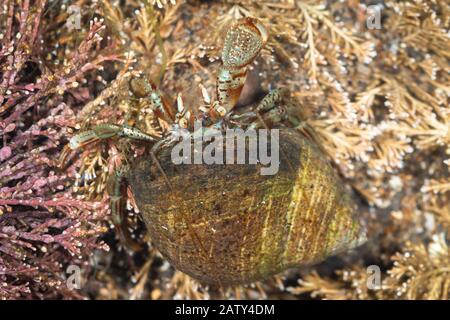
(228, 224)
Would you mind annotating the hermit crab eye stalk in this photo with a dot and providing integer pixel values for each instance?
(141, 87)
(243, 42)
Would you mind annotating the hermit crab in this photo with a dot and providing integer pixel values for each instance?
(228, 224)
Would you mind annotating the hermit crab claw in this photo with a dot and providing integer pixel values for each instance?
(243, 42)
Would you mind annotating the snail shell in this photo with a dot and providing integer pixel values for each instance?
(228, 224)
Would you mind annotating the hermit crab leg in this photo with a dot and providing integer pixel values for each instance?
(269, 110)
(106, 131)
(243, 42)
(273, 98)
(268, 105)
(101, 132)
(142, 88)
(116, 189)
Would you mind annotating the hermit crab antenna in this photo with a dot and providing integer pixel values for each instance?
(243, 42)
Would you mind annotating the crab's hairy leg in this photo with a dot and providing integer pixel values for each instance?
(145, 90)
(267, 108)
(277, 106)
(268, 112)
(117, 189)
(106, 131)
(272, 99)
(63, 158)
(84, 138)
(243, 42)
